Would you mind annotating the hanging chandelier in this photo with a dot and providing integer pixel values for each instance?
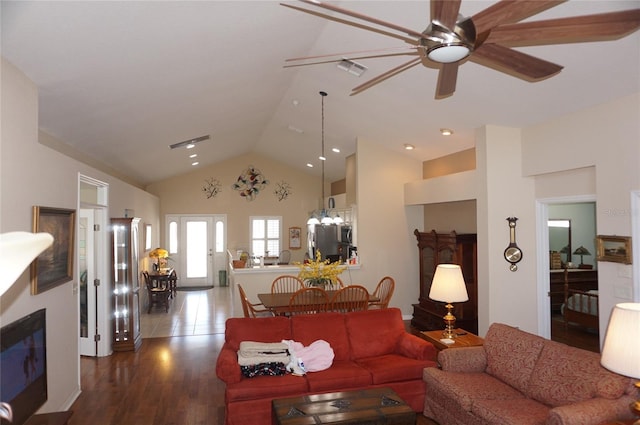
(321, 217)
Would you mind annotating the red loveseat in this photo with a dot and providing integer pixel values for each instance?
(372, 349)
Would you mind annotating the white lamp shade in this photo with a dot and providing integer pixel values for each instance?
(17, 251)
(621, 350)
(448, 284)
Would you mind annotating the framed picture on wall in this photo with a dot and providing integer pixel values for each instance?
(616, 249)
(55, 265)
(294, 238)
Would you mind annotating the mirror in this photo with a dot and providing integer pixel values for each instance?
(560, 238)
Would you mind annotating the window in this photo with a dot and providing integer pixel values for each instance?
(173, 237)
(266, 233)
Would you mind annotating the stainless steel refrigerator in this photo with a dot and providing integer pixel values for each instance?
(325, 238)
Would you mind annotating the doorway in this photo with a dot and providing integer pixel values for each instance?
(93, 296)
(567, 242)
(197, 248)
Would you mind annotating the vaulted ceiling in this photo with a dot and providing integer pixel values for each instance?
(121, 81)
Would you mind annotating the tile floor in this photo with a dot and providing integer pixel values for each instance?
(200, 312)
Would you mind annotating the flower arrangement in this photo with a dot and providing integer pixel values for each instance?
(318, 272)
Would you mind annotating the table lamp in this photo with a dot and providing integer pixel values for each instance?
(582, 251)
(448, 286)
(159, 253)
(621, 349)
(17, 251)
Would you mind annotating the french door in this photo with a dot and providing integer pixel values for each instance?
(197, 246)
(86, 263)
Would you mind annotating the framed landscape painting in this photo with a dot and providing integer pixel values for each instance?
(55, 265)
(616, 249)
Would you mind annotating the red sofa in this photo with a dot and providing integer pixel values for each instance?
(372, 349)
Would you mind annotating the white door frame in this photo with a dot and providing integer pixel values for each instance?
(542, 244)
(216, 259)
(97, 200)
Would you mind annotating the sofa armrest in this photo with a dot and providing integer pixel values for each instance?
(227, 367)
(465, 359)
(416, 348)
(594, 411)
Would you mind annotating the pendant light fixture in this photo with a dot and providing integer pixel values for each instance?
(324, 217)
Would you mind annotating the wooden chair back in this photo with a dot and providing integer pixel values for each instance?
(350, 298)
(308, 301)
(251, 309)
(286, 283)
(384, 291)
(157, 294)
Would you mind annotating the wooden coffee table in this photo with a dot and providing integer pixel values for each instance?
(370, 407)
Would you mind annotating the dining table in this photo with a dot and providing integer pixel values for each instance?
(278, 302)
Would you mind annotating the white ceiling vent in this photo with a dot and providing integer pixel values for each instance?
(352, 67)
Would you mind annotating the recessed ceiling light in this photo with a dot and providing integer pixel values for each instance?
(446, 132)
(409, 147)
(295, 102)
(310, 165)
(193, 155)
(322, 158)
(336, 150)
(191, 146)
(195, 163)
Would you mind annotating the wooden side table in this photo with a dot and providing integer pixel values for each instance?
(463, 339)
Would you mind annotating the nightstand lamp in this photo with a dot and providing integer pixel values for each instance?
(582, 251)
(448, 286)
(621, 349)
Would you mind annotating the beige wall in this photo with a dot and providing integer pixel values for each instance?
(33, 174)
(183, 195)
(450, 164)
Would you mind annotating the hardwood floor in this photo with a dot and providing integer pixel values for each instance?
(171, 379)
(576, 336)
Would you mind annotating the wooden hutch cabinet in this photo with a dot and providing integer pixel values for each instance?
(125, 284)
(437, 248)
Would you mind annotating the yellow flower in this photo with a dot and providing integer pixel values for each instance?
(318, 272)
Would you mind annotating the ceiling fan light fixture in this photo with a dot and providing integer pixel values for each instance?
(448, 52)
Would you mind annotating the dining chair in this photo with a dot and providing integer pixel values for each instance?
(384, 291)
(284, 257)
(286, 283)
(173, 282)
(157, 294)
(308, 301)
(350, 298)
(252, 310)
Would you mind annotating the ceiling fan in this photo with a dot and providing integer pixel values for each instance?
(485, 38)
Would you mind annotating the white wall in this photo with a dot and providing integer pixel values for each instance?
(32, 174)
(386, 243)
(606, 136)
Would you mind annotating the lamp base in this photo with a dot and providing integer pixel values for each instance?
(449, 323)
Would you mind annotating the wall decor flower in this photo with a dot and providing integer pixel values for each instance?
(250, 183)
(211, 187)
(283, 190)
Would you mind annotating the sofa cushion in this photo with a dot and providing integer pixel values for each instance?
(327, 326)
(342, 374)
(374, 333)
(522, 411)
(264, 329)
(271, 386)
(512, 354)
(393, 367)
(463, 389)
(565, 375)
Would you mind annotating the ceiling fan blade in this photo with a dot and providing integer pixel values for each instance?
(403, 50)
(509, 11)
(513, 62)
(577, 29)
(447, 78)
(353, 24)
(363, 17)
(445, 12)
(336, 60)
(384, 76)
